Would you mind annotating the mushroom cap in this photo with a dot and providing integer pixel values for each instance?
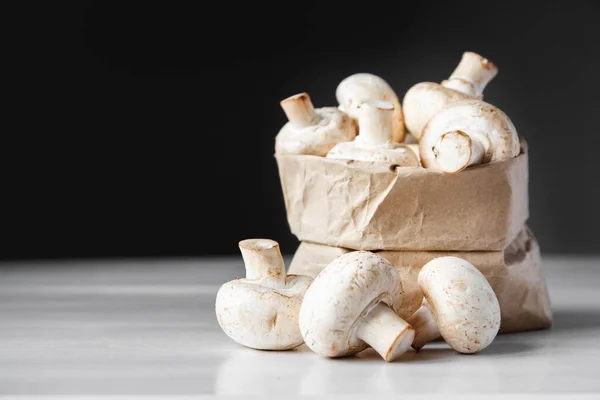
(259, 317)
(392, 153)
(360, 87)
(334, 126)
(477, 119)
(462, 302)
(422, 101)
(347, 289)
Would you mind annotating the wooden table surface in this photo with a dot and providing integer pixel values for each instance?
(147, 327)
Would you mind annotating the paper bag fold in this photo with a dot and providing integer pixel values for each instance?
(374, 206)
(514, 274)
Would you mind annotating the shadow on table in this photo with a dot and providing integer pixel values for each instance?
(439, 351)
(496, 349)
(574, 320)
(502, 349)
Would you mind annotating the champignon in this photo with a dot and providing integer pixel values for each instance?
(467, 132)
(261, 311)
(351, 305)
(357, 88)
(468, 80)
(312, 131)
(374, 142)
(459, 305)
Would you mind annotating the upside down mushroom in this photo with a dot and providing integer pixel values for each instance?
(375, 142)
(465, 133)
(312, 130)
(467, 81)
(261, 311)
(459, 304)
(351, 305)
(357, 88)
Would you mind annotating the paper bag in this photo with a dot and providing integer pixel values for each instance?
(514, 274)
(375, 206)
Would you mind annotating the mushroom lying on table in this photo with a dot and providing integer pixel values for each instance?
(312, 131)
(467, 81)
(351, 305)
(374, 142)
(465, 133)
(459, 305)
(261, 311)
(360, 87)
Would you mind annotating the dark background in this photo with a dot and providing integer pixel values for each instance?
(147, 129)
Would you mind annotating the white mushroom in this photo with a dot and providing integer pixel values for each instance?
(357, 88)
(374, 143)
(465, 133)
(351, 305)
(468, 80)
(459, 305)
(261, 311)
(312, 131)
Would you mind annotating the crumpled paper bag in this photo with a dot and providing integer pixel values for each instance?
(514, 273)
(374, 206)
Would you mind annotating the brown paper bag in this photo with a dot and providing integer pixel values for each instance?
(374, 206)
(513, 273)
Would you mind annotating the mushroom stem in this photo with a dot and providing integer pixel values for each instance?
(471, 75)
(375, 123)
(415, 149)
(299, 110)
(263, 262)
(387, 333)
(426, 329)
(456, 150)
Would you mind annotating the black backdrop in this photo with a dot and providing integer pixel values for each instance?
(146, 128)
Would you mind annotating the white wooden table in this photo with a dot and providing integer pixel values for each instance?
(148, 328)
